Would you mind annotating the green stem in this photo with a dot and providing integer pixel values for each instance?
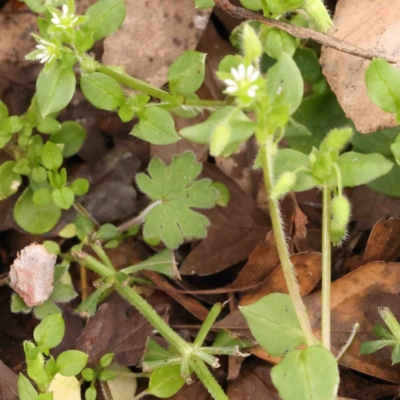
(102, 255)
(207, 324)
(277, 225)
(94, 264)
(149, 313)
(207, 378)
(326, 267)
(85, 213)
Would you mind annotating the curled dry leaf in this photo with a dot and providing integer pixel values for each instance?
(383, 243)
(31, 275)
(346, 73)
(8, 383)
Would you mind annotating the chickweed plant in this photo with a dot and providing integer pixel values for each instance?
(265, 80)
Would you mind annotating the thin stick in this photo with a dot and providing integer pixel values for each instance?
(301, 33)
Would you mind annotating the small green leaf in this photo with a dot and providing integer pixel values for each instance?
(274, 324)
(72, 136)
(285, 84)
(375, 345)
(91, 394)
(26, 391)
(42, 197)
(89, 306)
(166, 381)
(224, 195)
(84, 226)
(69, 231)
(38, 174)
(80, 186)
(45, 396)
(22, 167)
(105, 17)
(308, 63)
(106, 376)
(48, 125)
(46, 309)
(71, 362)
(102, 91)
(202, 4)
(63, 293)
(10, 181)
(52, 247)
(50, 331)
(88, 374)
(54, 89)
(3, 110)
(383, 85)
(186, 73)
(18, 305)
(106, 360)
(156, 126)
(359, 169)
(253, 5)
(173, 219)
(278, 41)
(52, 157)
(63, 198)
(396, 354)
(33, 218)
(307, 374)
(107, 232)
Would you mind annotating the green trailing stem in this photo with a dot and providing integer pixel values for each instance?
(207, 324)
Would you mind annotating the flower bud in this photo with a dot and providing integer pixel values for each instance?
(285, 183)
(336, 139)
(338, 233)
(252, 46)
(341, 210)
(88, 65)
(220, 139)
(318, 12)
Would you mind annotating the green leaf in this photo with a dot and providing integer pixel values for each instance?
(240, 127)
(52, 247)
(202, 4)
(383, 85)
(224, 195)
(285, 84)
(173, 219)
(18, 305)
(102, 91)
(396, 354)
(63, 293)
(3, 110)
(307, 374)
(308, 63)
(278, 41)
(89, 306)
(48, 125)
(26, 391)
(71, 362)
(186, 73)
(80, 186)
(33, 218)
(10, 181)
(54, 89)
(375, 345)
(166, 381)
(63, 198)
(69, 231)
(106, 360)
(91, 394)
(84, 226)
(105, 17)
(51, 157)
(156, 126)
(163, 263)
(359, 169)
(50, 331)
(253, 5)
(46, 309)
(22, 167)
(274, 324)
(38, 174)
(72, 136)
(107, 232)
(288, 160)
(42, 197)
(45, 396)
(227, 339)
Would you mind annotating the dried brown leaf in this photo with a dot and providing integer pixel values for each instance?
(368, 25)
(31, 275)
(234, 232)
(8, 383)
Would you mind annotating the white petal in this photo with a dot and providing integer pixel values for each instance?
(250, 70)
(252, 91)
(242, 72)
(51, 57)
(230, 82)
(279, 90)
(254, 76)
(55, 19)
(75, 19)
(41, 47)
(45, 42)
(44, 59)
(231, 89)
(65, 9)
(41, 55)
(235, 73)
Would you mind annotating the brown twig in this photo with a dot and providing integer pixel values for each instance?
(300, 32)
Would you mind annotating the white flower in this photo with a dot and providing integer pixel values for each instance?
(243, 79)
(66, 20)
(47, 49)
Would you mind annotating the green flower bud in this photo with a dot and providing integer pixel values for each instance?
(338, 233)
(318, 12)
(341, 210)
(252, 46)
(220, 139)
(336, 139)
(283, 6)
(285, 183)
(88, 65)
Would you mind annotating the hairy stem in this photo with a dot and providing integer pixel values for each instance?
(279, 234)
(207, 324)
(326, 267)
(207, 378)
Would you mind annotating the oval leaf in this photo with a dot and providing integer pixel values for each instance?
(50, 331)
(9, 180)
(72, 136)
(71, 362)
